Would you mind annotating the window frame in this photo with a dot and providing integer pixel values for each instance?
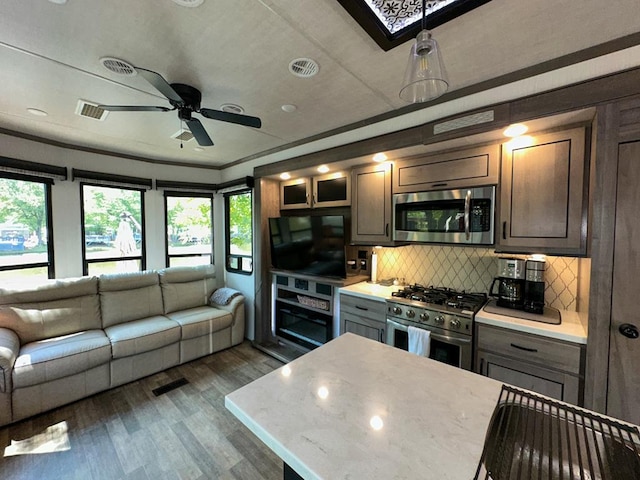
(227, 236)
(184, 194)
(50, 263)
(143, 246)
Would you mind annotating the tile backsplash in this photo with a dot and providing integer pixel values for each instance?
(473, 270)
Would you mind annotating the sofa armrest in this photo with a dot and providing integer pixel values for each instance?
(236, 309)
(9, 349)
(232, 307)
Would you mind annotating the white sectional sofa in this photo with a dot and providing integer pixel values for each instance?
(71, 338)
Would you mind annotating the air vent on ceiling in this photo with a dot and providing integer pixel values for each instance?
(232, 108)
(462, 122)
(118, 66)
(90, 110)
(304, 67)
(183, 135)
(189, 3)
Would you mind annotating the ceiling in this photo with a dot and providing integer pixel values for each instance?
(238, 52)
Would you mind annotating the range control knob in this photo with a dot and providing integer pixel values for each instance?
(439, 320)
(424, 317)
(454, 323)
(397, 310)
(411, 314)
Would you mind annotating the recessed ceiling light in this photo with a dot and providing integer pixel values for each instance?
(515, 130)
(189, 3)
(199, 149)
(36, 112)
(289, 108)
(59, 2)
(379, 157)
(323, 169)
(285, 176)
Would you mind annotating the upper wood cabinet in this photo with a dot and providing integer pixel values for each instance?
(460, 169)
(543, 195)
(371, 206)
(331, 190)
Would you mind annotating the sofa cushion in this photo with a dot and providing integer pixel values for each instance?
(46, 360)
(187, 287)
(50, 290)
(129, 296)
(139, 336)
(54, 318)
(200, 321)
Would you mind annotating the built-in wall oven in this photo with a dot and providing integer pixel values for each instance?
(446, 216)
(445, 313)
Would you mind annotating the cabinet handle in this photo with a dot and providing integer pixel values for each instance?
(307, 197)
(504, 230)
(386, 230)
(524, 348)
(361, 308)
(439, 185)
(481, 372)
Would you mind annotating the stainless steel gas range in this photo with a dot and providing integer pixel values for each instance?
(447, 314)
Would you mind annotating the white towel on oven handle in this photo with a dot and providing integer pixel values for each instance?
(419, 341)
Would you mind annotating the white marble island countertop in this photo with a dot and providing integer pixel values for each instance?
(355, 408)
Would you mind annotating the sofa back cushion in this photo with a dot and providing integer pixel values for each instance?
(58, 307)
(187, 287)
(129, 296)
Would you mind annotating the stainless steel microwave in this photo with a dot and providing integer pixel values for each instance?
(447, 216)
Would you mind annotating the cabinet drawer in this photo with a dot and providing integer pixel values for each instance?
(544, 351)
(362, 326)
(363, 307)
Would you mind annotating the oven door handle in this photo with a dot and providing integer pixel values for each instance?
(461, 342)
(467, 211)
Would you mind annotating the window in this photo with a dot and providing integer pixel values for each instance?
(189, 222)
(26, 250)
(239, 233)
(113, 229)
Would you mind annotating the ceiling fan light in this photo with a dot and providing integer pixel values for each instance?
(425, 77)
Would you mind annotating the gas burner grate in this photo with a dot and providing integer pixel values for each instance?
(534, 438)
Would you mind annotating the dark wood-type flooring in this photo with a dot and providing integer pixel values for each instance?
(128, 433)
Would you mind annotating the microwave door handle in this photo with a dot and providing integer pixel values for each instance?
(467, 210)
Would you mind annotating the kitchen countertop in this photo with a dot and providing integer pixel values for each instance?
(316, 413)
(573, 326)
(370, 291)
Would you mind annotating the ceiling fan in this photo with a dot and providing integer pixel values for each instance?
(186, 99)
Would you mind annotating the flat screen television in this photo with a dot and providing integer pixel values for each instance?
(314, 245)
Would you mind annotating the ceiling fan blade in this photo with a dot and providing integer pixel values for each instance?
(245, 120)
(160, 84)
(133, 108)
(200, 134)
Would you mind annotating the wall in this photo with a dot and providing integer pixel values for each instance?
(473, 270)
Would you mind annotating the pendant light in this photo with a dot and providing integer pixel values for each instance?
(425, 77)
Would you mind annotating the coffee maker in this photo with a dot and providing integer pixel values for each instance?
(534, 286)
(511, 283)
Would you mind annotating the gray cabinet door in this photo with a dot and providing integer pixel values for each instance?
(362, 327)
(623, 393)
(543, 195)
(559, 385)
(371, 206)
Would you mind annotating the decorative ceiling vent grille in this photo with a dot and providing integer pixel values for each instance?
(118, 66)
(304, 67)
(462, 122)
(90, 110)
(183, 135)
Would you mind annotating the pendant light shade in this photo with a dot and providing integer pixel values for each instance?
(425, 77)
